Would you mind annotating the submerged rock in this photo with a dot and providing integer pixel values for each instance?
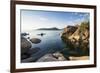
(24, 56)
(30, 52)
(35, 40)
(33, 50)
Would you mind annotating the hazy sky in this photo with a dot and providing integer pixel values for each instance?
(33, 19)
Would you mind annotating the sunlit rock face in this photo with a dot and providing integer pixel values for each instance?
(77, 38)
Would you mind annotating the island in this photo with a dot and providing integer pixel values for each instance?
(53, 28)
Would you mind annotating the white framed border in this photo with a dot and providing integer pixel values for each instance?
(20, 65)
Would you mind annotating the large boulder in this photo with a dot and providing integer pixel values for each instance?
(77, 38)
(35, 40)
(25, 45)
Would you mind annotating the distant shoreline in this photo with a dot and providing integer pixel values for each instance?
(54, 28)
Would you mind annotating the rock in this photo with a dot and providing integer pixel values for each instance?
(52, 57)
(30, 59)
(77, 38)
(41, 34)
(33, 50)
(69, 30)
(47, 58)
(59, 56)
(28, 37)
(79, 58)
(35, 40)
(61, 59)
(29, 53)
(24, 34)
(24, 56)
(25, 45)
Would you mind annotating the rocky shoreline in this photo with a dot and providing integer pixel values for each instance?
(27, 51)
(26, 47)
(75, 37)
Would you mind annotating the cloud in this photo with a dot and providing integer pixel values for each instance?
(43, 19)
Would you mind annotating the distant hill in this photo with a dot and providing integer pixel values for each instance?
(53, 28)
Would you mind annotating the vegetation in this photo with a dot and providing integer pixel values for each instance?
(84, 25)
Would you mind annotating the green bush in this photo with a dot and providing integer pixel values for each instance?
(84, 25)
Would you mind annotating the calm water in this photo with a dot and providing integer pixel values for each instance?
(50, 42)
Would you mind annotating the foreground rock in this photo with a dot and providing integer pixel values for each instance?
(47, 58)
(25, 45)
(52, 57)
(30, 52)
(35, 40)
(59, 56)
(79, 58)
(26, 50)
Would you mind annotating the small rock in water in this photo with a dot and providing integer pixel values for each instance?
(28, 37)
(41, 34)
(35, 40)
(24, 34)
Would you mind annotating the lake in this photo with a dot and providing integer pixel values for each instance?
(50, 42)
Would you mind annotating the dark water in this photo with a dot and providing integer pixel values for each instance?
(50, 42)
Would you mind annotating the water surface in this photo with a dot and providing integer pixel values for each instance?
(50, 42)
